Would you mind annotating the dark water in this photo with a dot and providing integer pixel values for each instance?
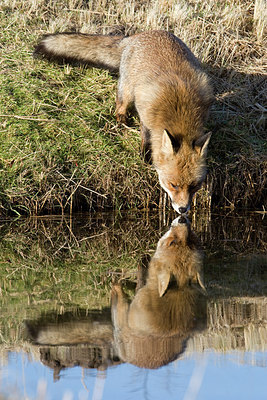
(133, 307)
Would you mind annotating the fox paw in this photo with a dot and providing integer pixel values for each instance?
(121, 118)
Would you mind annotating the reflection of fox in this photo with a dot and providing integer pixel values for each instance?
(163, 79)
(73, 339)
(151, 331)
(96, 329)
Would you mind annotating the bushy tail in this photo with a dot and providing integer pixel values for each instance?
(101, 51)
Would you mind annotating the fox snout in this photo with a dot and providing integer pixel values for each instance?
(177, 233)
(182, 219)
(182, 206)
(180, 197)
(180, 209)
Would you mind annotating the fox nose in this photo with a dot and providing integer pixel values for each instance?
(182, 210)
(182, 219)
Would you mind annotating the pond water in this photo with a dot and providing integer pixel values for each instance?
(133, 306)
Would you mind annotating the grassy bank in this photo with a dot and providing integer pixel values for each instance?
(61, 147)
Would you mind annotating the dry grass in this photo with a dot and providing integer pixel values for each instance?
(236, 324)
(62, 148)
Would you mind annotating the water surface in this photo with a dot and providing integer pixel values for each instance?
(60, 339)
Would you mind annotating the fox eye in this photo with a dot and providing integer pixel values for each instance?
(174, 241)
(176, 187)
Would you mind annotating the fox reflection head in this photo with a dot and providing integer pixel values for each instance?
(151, 330)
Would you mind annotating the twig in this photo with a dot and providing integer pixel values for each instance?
(25, 117)
(81, 186)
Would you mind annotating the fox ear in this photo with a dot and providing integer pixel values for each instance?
(163, 282)
(167, 143)
(201, 281)
(170, 144)
(201, 144)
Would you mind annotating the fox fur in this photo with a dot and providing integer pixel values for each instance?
(69, 332)
(152, 330)
(161, 77)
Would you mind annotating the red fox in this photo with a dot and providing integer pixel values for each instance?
(152, 329)
(90, 329)
(160, 76)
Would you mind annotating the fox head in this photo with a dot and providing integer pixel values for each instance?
(178, 257)
(181, 168)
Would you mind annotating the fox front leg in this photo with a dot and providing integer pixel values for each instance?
(145, 143)
(121, 111)
(119, 307)
(123, 100)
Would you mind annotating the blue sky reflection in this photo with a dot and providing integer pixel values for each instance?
(206, 376)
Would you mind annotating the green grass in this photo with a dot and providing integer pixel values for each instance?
(67, 144)
(61, 147)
